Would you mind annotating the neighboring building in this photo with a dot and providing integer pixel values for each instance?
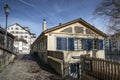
(62, 46)
(10, 39)
(7, 52)
(23, 37)
(113, 43)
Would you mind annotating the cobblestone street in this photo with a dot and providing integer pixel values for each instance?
(27, 68)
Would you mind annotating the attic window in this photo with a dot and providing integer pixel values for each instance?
(88, 31)
(78, 29)
(68, 30)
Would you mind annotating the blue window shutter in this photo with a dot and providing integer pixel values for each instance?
(63, 43)
(101, 44)
(58, 43)
(88, 44)
(71, 44)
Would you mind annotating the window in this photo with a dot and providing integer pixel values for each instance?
(25, 36)
(78, 29)
(16, 32)
(68, 30)
(101, 44)
(78, 44)
(11, 28)
(61, 43)
(95, 43)
(88, 31)
(16, 28)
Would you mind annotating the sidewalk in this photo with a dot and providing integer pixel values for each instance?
(25, 69)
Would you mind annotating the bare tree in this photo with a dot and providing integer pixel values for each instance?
(111, 10)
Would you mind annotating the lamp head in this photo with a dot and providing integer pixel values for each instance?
(7, 9)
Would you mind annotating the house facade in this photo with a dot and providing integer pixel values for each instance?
(62, 46)
(112, 43)
(23, 37)
(10, 39)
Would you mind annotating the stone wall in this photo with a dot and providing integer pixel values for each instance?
(57, 64)
(6, 56)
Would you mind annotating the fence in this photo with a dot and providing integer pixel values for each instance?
(101, 69)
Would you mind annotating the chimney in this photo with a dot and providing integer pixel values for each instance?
(60, 24)
(44, 25)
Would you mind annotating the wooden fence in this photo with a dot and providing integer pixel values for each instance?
(101, 69)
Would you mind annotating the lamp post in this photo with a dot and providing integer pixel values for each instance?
(7, 10)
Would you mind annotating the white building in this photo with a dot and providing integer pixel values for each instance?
(24, 38)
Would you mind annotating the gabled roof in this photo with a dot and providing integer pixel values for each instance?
(80, 20)
(21, 27)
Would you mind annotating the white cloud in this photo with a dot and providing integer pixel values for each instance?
(26, 3)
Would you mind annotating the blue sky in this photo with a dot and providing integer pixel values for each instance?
(30, 13)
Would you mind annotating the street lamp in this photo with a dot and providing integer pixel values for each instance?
(7, 10)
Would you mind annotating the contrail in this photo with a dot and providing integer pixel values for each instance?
(26, 3)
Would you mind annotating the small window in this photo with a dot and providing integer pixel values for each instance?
(61, 43)
(78, 44)
(67, 30)
(25, 36)
(11, 28)
(95, 43)
(78, 29)
(88, 31)
(101, 44)
(16, 32)
(16, 29)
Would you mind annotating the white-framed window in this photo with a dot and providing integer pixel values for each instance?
(95, 44)
(78, 44)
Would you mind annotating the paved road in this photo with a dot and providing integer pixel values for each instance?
(27, 68)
